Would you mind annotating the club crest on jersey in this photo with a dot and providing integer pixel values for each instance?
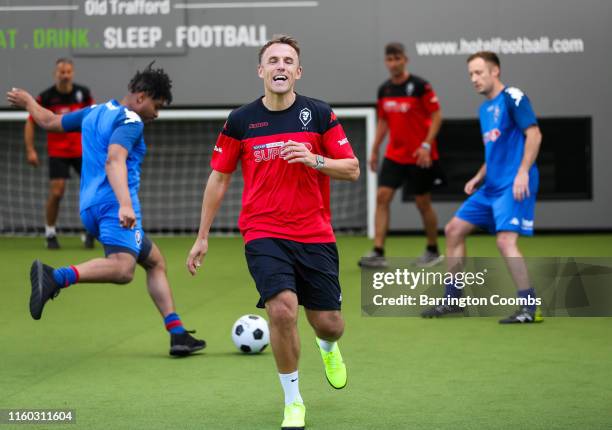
(305, 116)
(79, 96)
(138, 237)
(409, 88)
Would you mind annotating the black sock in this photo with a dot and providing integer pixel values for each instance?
(433, 248)
(379, 251)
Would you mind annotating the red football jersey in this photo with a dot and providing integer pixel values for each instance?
(407, 108)
(65, 145)
(282, 200)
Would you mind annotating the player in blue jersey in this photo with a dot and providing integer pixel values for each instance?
(505, 202)
(113, 151)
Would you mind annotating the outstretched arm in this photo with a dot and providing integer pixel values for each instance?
(43, 117)
(213, 196)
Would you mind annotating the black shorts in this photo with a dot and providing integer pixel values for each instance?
(59, 167)
(414, 179)
(308, 269)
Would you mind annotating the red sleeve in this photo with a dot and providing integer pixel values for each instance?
(429, 99)
(226, 153)
(335, 142)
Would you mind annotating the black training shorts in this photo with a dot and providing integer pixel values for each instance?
(59, 167)
(308, 269)
(415, 179)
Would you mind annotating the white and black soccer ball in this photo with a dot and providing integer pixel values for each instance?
(251, 334)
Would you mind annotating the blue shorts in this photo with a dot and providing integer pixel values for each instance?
(500, 212)
(102, 222)
(308, 269)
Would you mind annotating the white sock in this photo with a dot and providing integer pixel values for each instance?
(326, 346)
(291, 387)
(49, 230)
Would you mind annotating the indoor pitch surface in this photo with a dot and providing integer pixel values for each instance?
(102, 350)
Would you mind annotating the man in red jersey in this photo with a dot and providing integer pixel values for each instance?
(64, 149)
(408, 109)
(289, 147)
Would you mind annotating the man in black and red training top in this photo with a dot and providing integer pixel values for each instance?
(289, 147)
(408, 109)
(64, 149)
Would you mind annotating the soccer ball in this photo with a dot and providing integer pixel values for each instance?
(251, 334)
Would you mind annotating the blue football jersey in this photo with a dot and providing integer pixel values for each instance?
(100, 126)
(503, 121)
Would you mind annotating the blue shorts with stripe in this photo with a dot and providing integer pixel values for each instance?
(102, 221)
(500, 211)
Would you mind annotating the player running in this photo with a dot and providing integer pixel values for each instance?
(113, 151)
(289, 146)
(505, 203)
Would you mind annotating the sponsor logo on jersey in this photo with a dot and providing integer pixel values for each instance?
(271, 151)
(258, 124)
(343, 141)
(527, 224)
(514, 221)
(395, 106)
(268, 145)
(305, 116)
(218, 149)
(491, 136)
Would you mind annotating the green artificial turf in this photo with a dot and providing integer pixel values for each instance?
(102, 351)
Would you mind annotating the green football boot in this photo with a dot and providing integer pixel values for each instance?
(335, 370)
(294, 418)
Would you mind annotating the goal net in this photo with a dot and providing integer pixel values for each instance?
(177, 164)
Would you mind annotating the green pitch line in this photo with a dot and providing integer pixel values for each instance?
(102, 350)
